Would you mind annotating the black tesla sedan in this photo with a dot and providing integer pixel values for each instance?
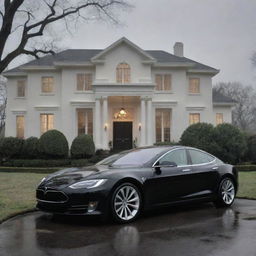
(125, 184)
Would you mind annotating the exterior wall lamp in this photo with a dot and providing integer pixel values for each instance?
(105, 126)
(139, 126)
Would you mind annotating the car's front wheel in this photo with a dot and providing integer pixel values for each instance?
(126, 203)
(226, 193)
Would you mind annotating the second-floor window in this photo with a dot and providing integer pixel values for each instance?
(163, 82)
(46, 122)
(123, 73)
(47, 84)
(194, 85)
(219, 118)
(84, 82)
(21, 85)
(194, 118)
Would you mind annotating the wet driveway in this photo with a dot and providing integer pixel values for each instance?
(191, 230)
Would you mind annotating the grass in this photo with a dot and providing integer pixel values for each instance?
(247, 185)
(17, 190)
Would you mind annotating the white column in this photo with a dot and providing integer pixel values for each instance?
(105, 125)
(142, 122)
(98, 125)
(149, 123)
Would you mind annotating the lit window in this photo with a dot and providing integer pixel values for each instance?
(219, 118)
(21, 84)
(20, 126)
(194, 118)
(163, 123)
(194, 85)
(84, 121)
(123, 73)
(46, 122)
(163, 82)
(47, 84)
(84, 82)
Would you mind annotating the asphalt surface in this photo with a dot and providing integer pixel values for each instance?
(191, 230)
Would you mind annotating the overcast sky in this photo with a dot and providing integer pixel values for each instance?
(219, 33)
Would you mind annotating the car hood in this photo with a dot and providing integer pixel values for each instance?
(66, 177)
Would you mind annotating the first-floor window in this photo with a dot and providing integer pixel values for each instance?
(46, 122)
(84, 121)
(194, 118)
(163, 124)
(219, 118)
(20, 126)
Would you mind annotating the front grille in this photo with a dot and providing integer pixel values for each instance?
(51, 196)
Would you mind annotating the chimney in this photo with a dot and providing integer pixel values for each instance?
(178, 49)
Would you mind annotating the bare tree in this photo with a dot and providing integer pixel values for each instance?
(3, 101)
(244, 112)
(24, 21)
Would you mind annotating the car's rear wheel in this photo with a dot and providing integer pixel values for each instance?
(126, 203)
(226, 193)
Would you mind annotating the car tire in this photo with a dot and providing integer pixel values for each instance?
(126, 203)
(226, 193)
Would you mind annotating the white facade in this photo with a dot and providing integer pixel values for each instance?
(138, 97)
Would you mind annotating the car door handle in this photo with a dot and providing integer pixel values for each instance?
(186, 170)
(215, 168)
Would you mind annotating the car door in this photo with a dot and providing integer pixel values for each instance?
(170, 178)
(205, 170)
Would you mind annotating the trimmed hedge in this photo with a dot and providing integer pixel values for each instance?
(53, 144)
(246, 168)
(82, 147)
(251, 153)
(29, 169)
(10, 147)
(30, 148)
(200, 135)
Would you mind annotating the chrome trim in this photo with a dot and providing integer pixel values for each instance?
(188, 165)
(51, 202)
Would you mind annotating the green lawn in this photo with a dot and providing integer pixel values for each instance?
(247, 185)
(17, 190)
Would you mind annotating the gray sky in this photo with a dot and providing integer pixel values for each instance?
(220, 33)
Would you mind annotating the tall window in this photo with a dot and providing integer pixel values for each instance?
(46, 122)
(47, 84)
(83, 82)
(20, 126)
(21, 85)
(194, 85)
(194, 118)
(219, 118)
(163, 82)
(84, 121)
(163, 123)
(123, 73)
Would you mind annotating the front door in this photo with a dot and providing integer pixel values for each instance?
(122, 135)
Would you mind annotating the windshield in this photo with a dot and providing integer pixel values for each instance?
(136, 157)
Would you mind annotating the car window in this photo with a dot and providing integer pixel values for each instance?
(135, 157)
(179, 157)
(198, 157)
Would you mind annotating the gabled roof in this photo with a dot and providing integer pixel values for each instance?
(218, 98)
(119, 42)
(81, 56)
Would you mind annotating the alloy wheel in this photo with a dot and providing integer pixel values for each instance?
(126, 202)
(227, 191)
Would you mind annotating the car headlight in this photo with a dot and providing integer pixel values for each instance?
(88, 183)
